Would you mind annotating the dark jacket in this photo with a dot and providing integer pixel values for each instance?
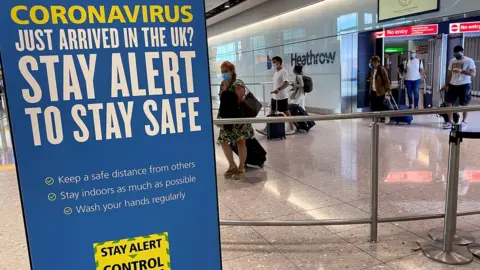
(229, 106)
(382, 82)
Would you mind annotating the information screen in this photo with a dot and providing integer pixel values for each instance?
(393, 9)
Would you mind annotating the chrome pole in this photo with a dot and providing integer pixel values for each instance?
(447, 252)
(264, 101)
(374, 181)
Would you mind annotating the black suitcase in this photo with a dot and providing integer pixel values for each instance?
(276, 131)
(297, 110)
(427, 97)
(256, 155)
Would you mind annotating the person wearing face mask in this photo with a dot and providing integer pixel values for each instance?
(281, 84)
(413, 79)
(232, 92)
(379, 85)
(461, 69)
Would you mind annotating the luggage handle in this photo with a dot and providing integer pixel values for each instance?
(394, 102)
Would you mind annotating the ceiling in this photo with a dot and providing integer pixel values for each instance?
(210, 4)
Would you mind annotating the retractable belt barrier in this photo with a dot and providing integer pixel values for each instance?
(450, 246)
(446, 252)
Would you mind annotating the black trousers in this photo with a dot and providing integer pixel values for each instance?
(376, 102)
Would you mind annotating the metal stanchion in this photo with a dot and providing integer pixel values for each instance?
(264, 100)
(374, 180)
(448, 253)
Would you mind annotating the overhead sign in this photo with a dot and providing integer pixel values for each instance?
(112, 133)
(393, 50)
(393, 9)
(468, 27)
(407, 31)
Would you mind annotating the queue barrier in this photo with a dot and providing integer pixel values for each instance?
(447, 251)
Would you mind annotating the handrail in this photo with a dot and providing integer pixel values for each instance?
(347, 116)
(328, 222)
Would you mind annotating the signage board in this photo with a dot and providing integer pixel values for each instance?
(409, 176)
(112, 133)
(468, 27)
(393, 50)
(408, 31)
(394, 9)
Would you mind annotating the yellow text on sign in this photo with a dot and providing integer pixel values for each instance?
(138, 253)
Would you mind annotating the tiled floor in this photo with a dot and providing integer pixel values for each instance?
(320, 175)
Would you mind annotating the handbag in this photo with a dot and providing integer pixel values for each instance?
(250, 106)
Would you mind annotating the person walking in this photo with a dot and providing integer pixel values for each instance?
(461, 69)
(379, 85)
(413, 79)
(279, 102)
(232, 92)
(297, 96)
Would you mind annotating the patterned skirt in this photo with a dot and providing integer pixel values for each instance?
(235, 133)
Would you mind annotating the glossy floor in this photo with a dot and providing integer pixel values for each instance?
(323, 174)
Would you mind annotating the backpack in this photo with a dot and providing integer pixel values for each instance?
(307, 84)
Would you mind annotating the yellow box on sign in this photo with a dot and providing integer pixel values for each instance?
(138, 253)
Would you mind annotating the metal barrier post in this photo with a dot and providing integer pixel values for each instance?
(374, 181)
(448, 253)
(264, 101)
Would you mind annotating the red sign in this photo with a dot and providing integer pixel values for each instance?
(471, 176)
(408, 31)
(469, 27)
(411, 177)
(422, 48)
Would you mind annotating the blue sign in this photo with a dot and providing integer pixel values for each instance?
(112, 126)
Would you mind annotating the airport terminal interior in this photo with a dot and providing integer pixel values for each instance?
(325, 174)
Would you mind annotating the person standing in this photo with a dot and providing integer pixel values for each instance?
(298, 94)
(461, 69)
(413, 78)
(279, 102)
(379, 85)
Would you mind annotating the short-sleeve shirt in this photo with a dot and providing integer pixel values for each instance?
(413, 70)
(466, 63)
(279, 78)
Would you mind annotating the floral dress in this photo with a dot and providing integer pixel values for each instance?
(233, 133)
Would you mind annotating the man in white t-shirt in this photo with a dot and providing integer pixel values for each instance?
(279, 102)
(413, 79)
(461, 69)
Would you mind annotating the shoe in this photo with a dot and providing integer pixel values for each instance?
(387, 120)
(464, 125)
(290, 131)
(416, 108)
(409, 107)
(447, 125)
(239, 174)
(231, 172)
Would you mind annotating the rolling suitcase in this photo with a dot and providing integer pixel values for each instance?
(297, 110)
(276, 131)
(427, 97)
(399, 119)
(256, 155)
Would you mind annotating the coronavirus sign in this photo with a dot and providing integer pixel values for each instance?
(112, 125)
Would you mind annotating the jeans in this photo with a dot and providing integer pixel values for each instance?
(413, 88)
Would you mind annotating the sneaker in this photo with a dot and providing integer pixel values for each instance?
(447, 125)
(290, 131)
(387, 120)
(464, 125)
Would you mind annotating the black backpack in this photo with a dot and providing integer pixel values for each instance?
(307, 84)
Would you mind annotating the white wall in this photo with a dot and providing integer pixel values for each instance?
(325, 27)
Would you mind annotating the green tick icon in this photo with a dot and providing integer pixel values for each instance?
(67, 211)
(52, 197)
(49, 181)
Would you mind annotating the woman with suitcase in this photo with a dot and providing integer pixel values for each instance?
(232, 92)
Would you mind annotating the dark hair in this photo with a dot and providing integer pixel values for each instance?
(375, 59)
(458, 49)
(298, 69)
(277, 59)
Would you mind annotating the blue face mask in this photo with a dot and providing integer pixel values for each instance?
(226, 76)
(370, 66)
